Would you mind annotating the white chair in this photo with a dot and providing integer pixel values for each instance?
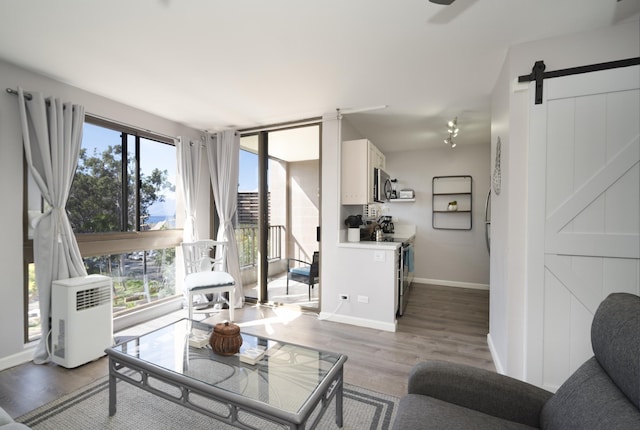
(206, 275)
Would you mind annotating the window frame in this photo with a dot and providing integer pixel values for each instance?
(97, 244)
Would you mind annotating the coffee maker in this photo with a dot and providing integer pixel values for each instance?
(386, 223)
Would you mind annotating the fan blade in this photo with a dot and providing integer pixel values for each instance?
(447, 14)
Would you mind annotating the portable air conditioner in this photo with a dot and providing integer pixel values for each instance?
(81, 319)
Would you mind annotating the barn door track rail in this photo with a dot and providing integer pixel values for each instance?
(538, 74)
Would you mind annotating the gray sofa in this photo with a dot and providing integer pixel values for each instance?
(604, 393)
(7, 423)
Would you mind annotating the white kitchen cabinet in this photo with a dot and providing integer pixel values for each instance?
(358, 159)
(377, 157)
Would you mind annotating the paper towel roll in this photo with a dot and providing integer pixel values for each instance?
(353, 234)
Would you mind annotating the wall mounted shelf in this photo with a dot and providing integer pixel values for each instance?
(445, 189)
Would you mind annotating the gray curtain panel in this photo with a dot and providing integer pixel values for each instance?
(52, 135)
(223, 154)
(189, 154)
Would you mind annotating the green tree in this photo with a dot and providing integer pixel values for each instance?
(96, 200)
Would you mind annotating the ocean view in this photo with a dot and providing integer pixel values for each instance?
(155, 221)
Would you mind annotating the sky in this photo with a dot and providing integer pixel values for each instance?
(248, 178)
(164, 158)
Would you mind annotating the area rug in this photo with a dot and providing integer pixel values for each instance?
(87, 409)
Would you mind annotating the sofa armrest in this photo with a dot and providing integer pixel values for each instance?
(7, 423)
(479, 389)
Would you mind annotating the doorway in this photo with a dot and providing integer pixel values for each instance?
(288, 205)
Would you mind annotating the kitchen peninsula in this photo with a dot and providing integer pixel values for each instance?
(371, 277)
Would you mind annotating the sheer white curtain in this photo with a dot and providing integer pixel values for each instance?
(189, 154)
(52, 135)
(223, 154)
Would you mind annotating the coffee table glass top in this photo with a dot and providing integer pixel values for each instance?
(285, 377)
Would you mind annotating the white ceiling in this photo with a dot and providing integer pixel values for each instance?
(214, 64)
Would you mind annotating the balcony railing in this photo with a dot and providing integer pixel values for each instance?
(247, 238)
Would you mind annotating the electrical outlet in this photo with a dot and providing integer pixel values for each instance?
(344, 297)
(363, 299)
(379, 256)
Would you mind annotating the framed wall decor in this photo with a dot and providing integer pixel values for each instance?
(496, 178)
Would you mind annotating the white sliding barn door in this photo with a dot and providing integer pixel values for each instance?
(584, 213)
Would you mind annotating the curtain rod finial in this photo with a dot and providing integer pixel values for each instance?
(15, 93)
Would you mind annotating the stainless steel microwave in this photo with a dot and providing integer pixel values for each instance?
(381, 185)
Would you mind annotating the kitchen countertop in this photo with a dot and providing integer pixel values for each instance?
(372, 244)
(403, 232)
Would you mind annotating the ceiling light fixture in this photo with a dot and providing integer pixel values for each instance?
(452, 129)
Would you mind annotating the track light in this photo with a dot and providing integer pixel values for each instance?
(453, 126)
(452, 129)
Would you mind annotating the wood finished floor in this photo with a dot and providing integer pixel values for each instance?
(441, 323)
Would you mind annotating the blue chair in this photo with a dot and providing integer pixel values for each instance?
(303, 271)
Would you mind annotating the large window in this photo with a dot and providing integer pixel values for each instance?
(123, 182)
(122, 208)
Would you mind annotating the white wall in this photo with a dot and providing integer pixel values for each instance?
(445, 257)
(498, 327)
(510, 112)
(12, 347)
(330, 211)
(304, 194)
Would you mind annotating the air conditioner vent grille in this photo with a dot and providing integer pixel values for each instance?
(92, 297)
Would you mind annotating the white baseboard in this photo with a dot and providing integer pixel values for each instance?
(456, 284)
(361, 322)
(17, 359)
(494, 356)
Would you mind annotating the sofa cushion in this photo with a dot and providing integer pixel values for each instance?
(589, 400)
(416, 411)
(615, 338)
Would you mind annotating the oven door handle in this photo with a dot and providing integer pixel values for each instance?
(406, 248)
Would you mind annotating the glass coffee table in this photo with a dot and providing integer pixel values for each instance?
(290, 386)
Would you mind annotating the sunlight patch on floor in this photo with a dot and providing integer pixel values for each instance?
(283, 315)
(298, 293)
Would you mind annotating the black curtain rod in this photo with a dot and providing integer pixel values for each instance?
(538, 74)
(27, 96)
(109, 123)
(273, 127)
